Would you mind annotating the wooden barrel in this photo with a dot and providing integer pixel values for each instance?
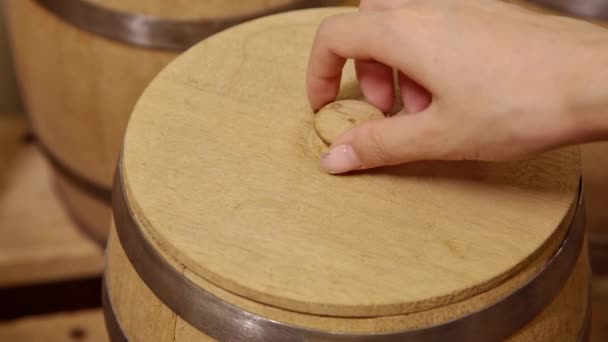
(594, 155)
(228, 229)
(82, 64)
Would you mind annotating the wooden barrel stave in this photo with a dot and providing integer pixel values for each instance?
(135, 305)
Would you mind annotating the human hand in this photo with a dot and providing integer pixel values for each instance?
(480, 80)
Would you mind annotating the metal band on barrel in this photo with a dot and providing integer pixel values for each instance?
(113, 327)
(591, 9)
(150, 31)
(226, 322)
(585, 333)
(117, 333)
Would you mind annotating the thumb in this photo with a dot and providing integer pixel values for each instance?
(389, 141)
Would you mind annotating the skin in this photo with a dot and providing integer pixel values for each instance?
(480, 80)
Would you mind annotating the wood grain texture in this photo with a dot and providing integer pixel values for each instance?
(336, 118)
(152, 320)
(594, 157)
(136, 307)
(83, 120)
(79, 326)
(219, 171)
(38, 240)
(80, 89)
(359, 325)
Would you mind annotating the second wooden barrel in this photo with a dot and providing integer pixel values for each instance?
(228, 229)
(82, 64)
(594, 155)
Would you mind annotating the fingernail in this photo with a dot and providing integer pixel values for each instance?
(340, 159)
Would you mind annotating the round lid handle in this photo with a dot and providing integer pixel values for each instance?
(340, 116)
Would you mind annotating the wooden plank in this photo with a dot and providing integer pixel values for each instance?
(38, 240)
(83, 326)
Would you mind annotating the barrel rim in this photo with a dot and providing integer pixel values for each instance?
(224, 321)
(118, 334)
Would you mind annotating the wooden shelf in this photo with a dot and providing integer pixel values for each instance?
(85, 326)
(39, 243)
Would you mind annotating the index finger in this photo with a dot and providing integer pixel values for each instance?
(362, 36)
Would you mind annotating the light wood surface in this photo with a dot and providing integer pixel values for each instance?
(136, 306)
(93, 106)
(121, 273)
(338, 117)
(218, 168)
(38, 240)
(151, 309)
(79, 326)
(80, 89)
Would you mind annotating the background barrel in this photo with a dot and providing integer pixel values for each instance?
(80, 76)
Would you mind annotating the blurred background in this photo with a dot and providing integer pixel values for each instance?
(9, 95)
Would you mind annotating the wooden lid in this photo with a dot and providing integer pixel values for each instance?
(340, 116)
(220, 169)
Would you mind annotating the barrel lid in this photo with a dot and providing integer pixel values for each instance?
(220, 169)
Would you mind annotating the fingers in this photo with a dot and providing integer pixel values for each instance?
(389, 141)
(376, 82)
(415, 97)
(362, 36)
